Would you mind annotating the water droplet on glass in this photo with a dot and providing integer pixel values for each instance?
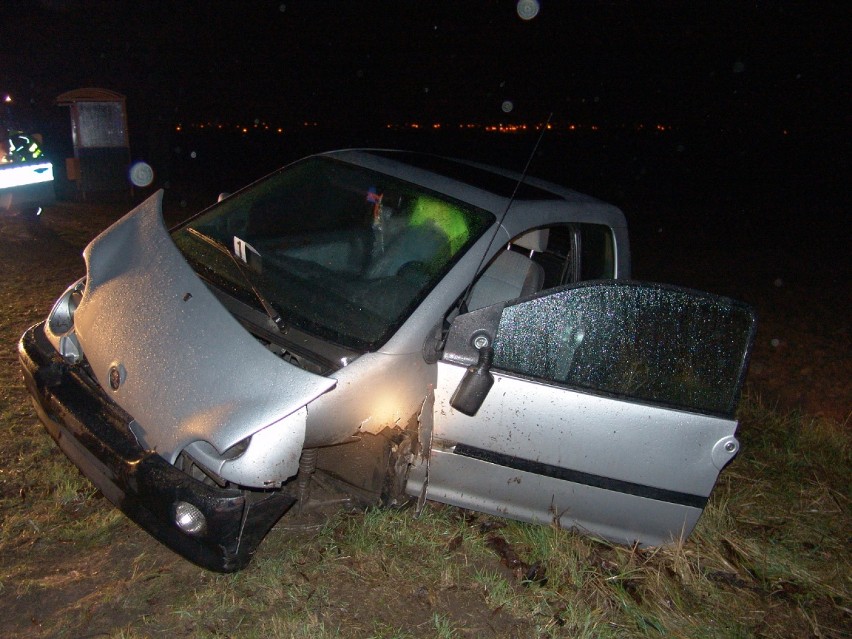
(775, 342)
(192, 155)
(778, 282)
(507, 106)
(528, 9)
(739, 67)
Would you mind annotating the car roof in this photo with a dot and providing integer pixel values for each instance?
(481, 176)
(533, 201)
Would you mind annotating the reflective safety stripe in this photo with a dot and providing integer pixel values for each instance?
(13, 175)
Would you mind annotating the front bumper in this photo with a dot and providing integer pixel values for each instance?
(93, 432)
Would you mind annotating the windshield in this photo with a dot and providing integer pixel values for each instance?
(339, 251)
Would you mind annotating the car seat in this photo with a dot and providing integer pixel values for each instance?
(512, 274)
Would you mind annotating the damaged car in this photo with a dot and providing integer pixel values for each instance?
(372, 327)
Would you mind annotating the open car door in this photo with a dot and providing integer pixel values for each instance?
(605, 406)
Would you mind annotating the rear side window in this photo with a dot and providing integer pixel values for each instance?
(597, 254)
(577, 252)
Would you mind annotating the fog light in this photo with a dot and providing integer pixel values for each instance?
(189, 519)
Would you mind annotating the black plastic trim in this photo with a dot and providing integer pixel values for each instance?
(94, 434)
(579, 477)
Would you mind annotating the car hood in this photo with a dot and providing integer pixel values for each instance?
(187, 370)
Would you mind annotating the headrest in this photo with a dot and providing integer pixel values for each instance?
(533, 240)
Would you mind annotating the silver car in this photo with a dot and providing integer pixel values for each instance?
(371, 327)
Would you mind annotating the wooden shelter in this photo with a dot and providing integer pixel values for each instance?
(101, 144)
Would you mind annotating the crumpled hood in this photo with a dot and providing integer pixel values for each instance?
(189, 370)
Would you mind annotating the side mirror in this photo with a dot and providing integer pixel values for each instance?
(474, 386)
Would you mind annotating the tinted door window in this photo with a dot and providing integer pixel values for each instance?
(577, 252)
(647, 342)
(597, 253)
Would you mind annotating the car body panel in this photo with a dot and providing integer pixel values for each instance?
(376, 391)
(507, 492)
(618, 469)
(190, 371)
(147, 359)
(615, 416)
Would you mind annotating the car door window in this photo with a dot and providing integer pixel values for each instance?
(650, 343)
(577, 252)
(557, 259)
(597, 252)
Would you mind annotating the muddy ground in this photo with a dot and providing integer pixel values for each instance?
(801, 358)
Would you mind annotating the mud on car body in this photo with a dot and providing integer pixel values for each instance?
(371, 327)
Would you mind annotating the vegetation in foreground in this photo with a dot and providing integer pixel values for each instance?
(769, 558)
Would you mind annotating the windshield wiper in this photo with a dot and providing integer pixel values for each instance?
(268, 308)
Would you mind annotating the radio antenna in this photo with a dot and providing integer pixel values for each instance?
(520, 181)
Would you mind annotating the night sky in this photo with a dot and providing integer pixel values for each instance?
(731, 65)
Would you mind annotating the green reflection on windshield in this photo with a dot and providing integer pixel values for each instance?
(341, 251)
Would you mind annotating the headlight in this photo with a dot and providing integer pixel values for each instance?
(60, 322)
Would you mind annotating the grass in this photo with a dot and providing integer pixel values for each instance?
(769, 558)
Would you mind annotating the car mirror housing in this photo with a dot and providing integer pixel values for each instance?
(474, 386)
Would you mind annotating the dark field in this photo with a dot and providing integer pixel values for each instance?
(765, 223)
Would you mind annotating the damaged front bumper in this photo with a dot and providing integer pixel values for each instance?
(94, 433)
